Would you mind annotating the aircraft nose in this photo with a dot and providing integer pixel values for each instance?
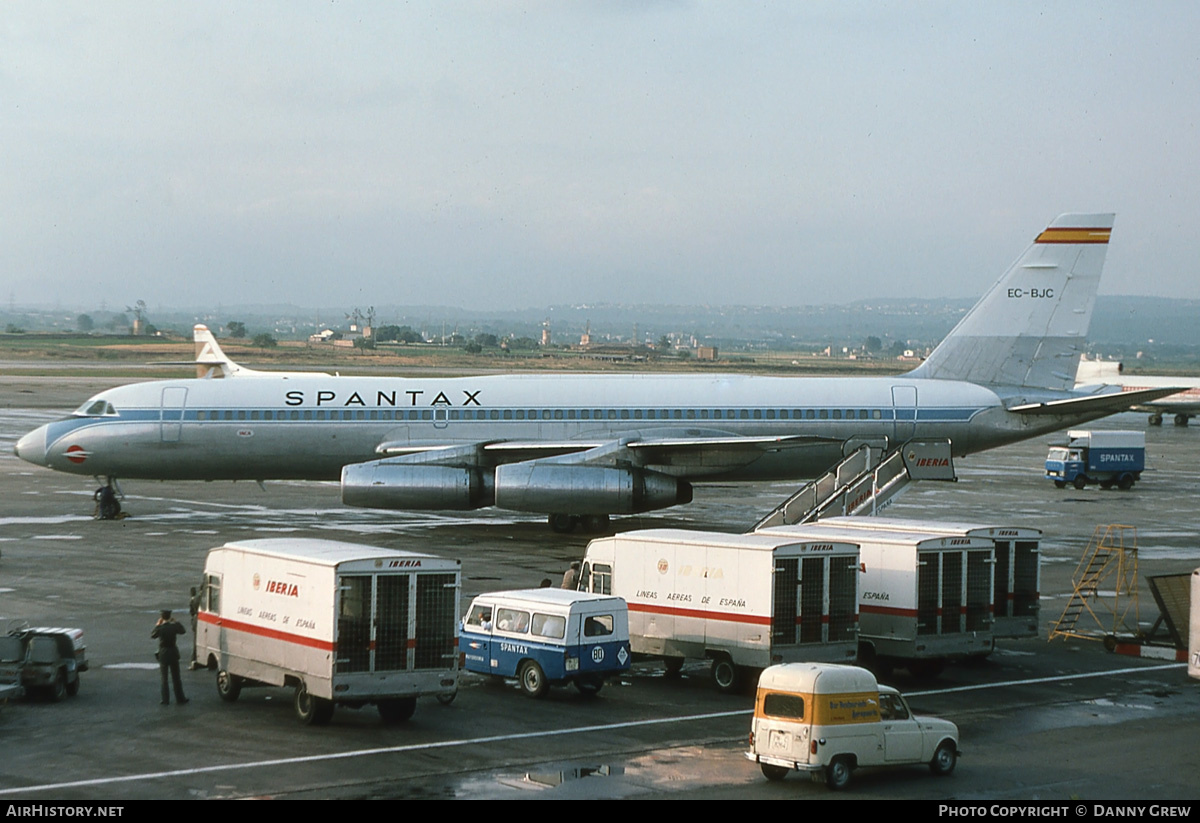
(32, 447)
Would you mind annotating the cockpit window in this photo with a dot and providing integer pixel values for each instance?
(95, 408)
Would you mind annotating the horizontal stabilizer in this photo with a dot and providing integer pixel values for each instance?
(1096, 403)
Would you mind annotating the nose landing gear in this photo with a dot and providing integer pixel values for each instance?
(108, 506)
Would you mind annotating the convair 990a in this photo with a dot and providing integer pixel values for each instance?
(583, 447)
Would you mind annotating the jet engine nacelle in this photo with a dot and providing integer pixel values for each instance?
(380, 484)
(556, 487)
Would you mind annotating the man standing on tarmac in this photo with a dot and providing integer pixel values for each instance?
(166, 631)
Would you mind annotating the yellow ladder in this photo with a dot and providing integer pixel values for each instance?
(1109, 561)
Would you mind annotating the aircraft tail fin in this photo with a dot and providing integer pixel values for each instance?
(210, 360)
(1029, 330)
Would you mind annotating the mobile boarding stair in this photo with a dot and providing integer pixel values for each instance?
(865, 482)
(1106, 590)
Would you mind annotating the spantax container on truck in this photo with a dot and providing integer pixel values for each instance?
(341, 623)
(547, 637)
(924, 598)
(1110, 458)
(1016, 596)
(742, 601)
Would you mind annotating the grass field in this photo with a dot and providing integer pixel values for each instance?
(93, 355)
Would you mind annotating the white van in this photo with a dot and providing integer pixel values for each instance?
(828, 720)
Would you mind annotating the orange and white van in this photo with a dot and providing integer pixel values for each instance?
(828, 720)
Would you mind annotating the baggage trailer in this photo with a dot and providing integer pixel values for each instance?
(1018, 575)
(1110, 458)
(743, 601)
(341, 623)
(924, 598)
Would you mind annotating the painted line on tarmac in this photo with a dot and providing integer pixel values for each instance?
(500, 738)
(1034, 680)
(318, 758)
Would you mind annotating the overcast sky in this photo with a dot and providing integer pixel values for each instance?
(502, 154)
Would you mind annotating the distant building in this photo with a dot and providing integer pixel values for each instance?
(706, 352)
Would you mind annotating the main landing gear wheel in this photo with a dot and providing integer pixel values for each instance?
(594, 523)
(1181, 419)
(562, 523)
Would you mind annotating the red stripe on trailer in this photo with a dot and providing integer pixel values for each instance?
(1156, 652)
(753, 619)
(888, 610)
(261, 631)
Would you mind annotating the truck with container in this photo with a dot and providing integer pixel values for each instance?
(1110, 458)
(925, 598)
(341, 624)
(546, 637)
(741, 601)
(829, 720)
(1017, 579)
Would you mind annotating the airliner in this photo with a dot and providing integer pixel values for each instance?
(582, 447)
(1185, 405)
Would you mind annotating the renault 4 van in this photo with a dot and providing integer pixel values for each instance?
(546, 637)
(828, 720)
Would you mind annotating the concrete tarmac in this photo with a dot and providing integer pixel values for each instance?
(1039, 720)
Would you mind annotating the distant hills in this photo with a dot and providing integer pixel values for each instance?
(1121, 326)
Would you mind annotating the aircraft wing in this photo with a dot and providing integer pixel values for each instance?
(703, 453)
(1112, 403)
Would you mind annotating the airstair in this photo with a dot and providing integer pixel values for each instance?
(864, 483)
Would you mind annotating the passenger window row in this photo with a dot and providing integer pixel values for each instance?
(542, 414)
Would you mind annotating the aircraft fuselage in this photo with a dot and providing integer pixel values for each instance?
(310, 427)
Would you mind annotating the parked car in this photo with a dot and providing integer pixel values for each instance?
(45, 660)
